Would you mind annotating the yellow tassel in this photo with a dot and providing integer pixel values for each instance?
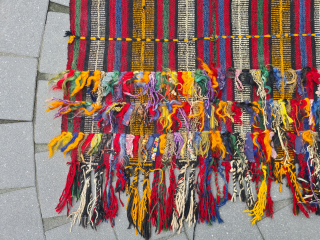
(62, 142)
(53, 142)
(267, 145)
(96, 106)
(71, 39)
(216, 143)
(94, 143)
(163, 119)
(96, 78)
(143, 208)
(204, 145)
(83, 76)
(213, 78)
(221, 111)
(260, 205)
(307, 107)
(74, 144)
(187, 87)
(135, 203)
(162, 143)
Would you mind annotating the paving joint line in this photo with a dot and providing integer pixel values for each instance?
(34, 120)
(7, 121)
(8, 190)
(56, 7)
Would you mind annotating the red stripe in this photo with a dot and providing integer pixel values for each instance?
(266, 31)
(112, 28)
(124, 48)
(200, 28)
(216, 9)
(72, 29)
(210, 30)
(172, 7)
(159, 34)
(308, 30)
(83, 32)
(296, 25)
(254, 31)
(227, 33)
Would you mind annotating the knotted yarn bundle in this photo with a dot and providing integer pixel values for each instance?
(178, 100)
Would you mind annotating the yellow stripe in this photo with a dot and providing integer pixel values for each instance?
(212, 38)
(143, 23)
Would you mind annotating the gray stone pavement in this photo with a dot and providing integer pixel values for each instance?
(32, 50)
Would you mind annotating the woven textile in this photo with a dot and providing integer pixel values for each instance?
(223, 87)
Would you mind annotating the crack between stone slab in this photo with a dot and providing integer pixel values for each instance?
(33, 123)
(44, 76)
(286, 202)
(115, 233)
(15, 55)
(41, 147)
(56, 7)
(7, 190)
(260, 232)
(6, 121)
(54, 222)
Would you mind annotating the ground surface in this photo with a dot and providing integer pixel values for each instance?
(32, 50)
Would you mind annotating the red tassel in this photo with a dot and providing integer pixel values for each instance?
(66, 197)
(296, 204)
(127, 87)
(312, 77)
(269, 206)
(58, 85)
(87, 143)
(170, 199)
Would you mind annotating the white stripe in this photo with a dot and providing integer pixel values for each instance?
(317, 30)
(186, 21)
(240, 26)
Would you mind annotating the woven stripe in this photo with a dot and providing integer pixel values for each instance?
(240, 47)
(280, 24)
(186, 51)
(317, 28)
(148, 56)
(98, 23)
(77, 32)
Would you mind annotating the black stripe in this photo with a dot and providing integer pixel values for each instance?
(86, 61)
(107, 34)
(130, 26)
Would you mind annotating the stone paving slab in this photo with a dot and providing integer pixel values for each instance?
(51, 175)
(20, 215)
(18, 82)
(62, 2)
(63, 232)
(285, 225)
(22, 23)
(46, 127)
(55, 46)
(17, 155)
(237, 225)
